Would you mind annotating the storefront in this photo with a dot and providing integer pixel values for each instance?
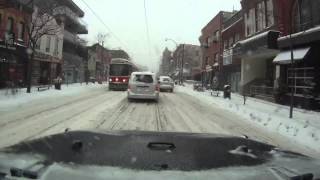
(13, 63)
(303, 75)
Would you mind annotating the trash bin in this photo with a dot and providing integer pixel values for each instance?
(227, 91)
(57, 83)
(57, 86)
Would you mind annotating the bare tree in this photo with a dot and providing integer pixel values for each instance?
(43, 22)
(101, 38)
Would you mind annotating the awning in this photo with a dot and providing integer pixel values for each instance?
(285, 56)
(257, 44)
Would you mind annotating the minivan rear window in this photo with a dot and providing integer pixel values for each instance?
(143, 78)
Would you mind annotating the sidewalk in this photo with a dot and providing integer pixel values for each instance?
(304, 128)
(8, 100)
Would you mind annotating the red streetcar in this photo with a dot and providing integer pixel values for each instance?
(120, 72)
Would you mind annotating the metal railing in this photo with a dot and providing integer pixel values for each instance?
(63, 10)
(262, 90)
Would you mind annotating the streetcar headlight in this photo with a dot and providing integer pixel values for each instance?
(117, 79)
(124, 80)
(110, 80)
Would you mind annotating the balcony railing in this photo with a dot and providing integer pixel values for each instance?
(63, 10)
(262, 90)
(72, 59)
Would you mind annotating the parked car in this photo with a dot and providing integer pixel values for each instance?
(166, 83)
(143, 85)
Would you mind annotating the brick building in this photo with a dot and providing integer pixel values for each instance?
(232, 32)
(99, 59)
(259, 48)
(212, 46)
(186, 60)
(14, 15)
(302, 18)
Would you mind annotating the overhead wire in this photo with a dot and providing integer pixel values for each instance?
(147, 27)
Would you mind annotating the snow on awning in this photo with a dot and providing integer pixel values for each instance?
(285, 56)
(216, 64)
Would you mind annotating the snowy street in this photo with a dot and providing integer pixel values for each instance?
(94, 107)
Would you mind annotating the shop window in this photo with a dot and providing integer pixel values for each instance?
(301, 80)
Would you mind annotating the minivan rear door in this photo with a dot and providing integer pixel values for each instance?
(143, 84)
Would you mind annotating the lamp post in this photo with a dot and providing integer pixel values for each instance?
(182, 59)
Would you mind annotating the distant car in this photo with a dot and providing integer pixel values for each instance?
(166, 83)
(143, 85)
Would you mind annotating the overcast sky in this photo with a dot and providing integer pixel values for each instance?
(181, 20)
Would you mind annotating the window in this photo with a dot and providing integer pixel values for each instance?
(216, 57)
(237, 38)
(48, 44)
(38, 44)
(56, 47)
(302, 80)
(250, 23)
(261, 16)
(10, 24)
(21, 29)
(207, 61)
(231, 41)
(225, 43)
(270, 17)
(143, 78)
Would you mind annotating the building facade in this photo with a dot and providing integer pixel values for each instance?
(74, 48)
(14, 15)
(259, 47)
(98, 63)
(212, 47)
(301, 73)
(47, 61)
(166, 61)
(233, 31)
(187, 59)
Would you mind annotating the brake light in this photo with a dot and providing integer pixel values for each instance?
(157, 87)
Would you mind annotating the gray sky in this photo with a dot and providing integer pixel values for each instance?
(181, 20)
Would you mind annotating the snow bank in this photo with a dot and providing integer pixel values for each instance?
(8, 100)
(304, 128)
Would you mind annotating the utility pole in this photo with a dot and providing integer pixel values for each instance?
(182, 63)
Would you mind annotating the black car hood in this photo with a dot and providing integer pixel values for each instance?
(126, 154)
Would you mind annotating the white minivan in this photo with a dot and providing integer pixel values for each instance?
(143, 85)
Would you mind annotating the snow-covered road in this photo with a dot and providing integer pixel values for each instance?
(107, 110)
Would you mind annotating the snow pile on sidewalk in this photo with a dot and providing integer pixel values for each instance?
(304, 128)
(8, 100)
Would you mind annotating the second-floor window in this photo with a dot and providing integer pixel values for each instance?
(48, 45)
(21, 29)
(56, 46)
(10, 23)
